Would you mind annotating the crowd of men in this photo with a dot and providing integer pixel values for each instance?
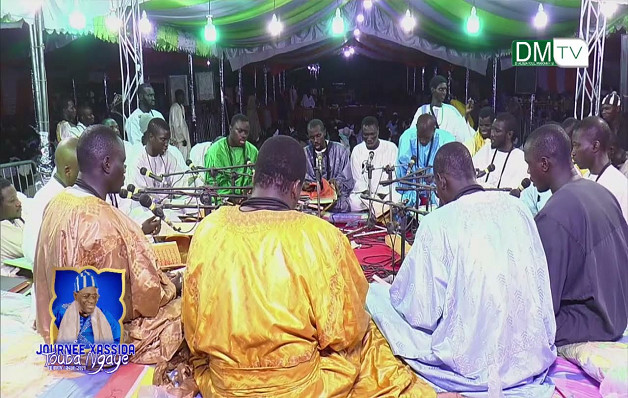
(274, 301)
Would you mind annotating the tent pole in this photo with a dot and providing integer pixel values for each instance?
(222, 93)
(274, 91)
(35, 76)
(191, 86)
(265, 86)
(494, 83)
(414, 82)
(240, 90)
(41, 95)
(422, 79)
(104, 82)
(466, 87)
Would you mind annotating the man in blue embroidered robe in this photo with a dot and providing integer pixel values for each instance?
(471, 307)
(420, 143)
(82, 322)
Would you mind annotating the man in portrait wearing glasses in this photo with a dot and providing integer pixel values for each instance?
(82, 321)
(447, 117)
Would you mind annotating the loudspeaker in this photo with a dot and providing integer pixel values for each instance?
(525, 80)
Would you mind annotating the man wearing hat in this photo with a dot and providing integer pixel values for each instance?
(81, 321)
(611, 113)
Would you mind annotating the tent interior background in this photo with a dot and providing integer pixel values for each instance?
(78, 61)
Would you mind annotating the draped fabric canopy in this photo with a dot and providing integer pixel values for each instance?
(243, 35)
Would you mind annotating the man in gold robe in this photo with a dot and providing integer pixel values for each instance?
(274, 300)
(80, 228)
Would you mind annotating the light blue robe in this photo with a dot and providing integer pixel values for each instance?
(408, 148)
(471, 308)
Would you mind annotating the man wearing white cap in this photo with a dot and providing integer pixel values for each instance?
(611, 113)
(82, 322)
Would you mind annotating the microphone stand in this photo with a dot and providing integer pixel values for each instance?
(403, 225)
(371, 223)
(319, 181)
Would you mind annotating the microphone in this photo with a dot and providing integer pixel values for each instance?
(131, 188)
(147, 202)
(145, 172)
(192, 166)
(125, 194)
(411, 165)
(482, 173)
(369, 164)
(524, 184)
(319, 167)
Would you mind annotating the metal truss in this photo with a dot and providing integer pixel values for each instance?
(589, 80)
(131, 58)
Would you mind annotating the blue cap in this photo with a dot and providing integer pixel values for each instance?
(83, 280)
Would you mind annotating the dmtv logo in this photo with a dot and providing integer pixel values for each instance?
(565, 53)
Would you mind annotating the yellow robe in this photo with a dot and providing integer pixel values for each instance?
(274, 306)
(476, 143)
(79, 230)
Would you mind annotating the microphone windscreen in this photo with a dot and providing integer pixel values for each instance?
(491, 167)
(146, 200)
(124, 193)
(188, 162)
(525, 183)
(143, 171)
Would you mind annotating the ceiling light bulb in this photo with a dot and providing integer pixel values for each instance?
(338, 24)
(367, 4)
(608, 8)
(211, 35)
(473, 22)
(360, 18)
(113, 23)
(408, 22)
(145, 25)
(275, 26)
(77, 20)
(540, 19)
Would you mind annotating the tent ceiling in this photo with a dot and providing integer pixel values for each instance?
(243, 36)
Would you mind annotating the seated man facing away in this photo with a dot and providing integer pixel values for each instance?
(585, 239)
(333, 160)
(471, 305)
(376, 154)
(81, 229)
(64, 176)
(290, 321)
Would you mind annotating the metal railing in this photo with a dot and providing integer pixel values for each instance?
(23, 175)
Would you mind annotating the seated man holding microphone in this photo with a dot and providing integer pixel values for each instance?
(369, 162)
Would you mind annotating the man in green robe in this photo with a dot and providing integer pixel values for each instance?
(233, 150)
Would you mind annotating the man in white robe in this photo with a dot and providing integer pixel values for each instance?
(510, 165)
(447, 117)
(471, 308)
(11, 225)
(65, 175)
(146, 96)
(178, 125)
(590, 143)
(384, 154)
(159, 158)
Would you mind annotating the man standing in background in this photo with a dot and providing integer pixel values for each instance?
(146, 96)
(178, 125)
